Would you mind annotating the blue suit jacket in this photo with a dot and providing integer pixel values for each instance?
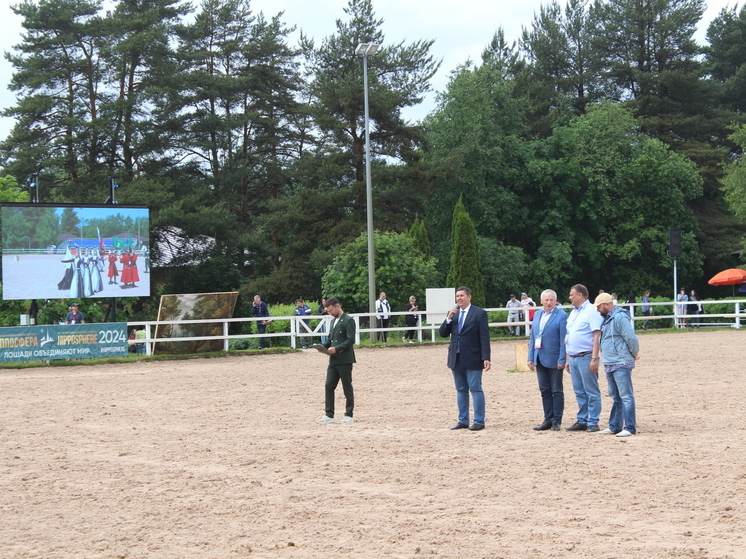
(473, 342)
(552, 351)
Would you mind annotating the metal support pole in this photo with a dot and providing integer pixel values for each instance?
(369, 202)
(675, 295)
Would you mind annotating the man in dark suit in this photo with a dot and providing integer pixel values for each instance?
(468, 356)
(546, 355)
(260, 310)
(341, 357)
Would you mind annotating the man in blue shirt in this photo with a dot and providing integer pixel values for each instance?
(302, 309)
(582, 348)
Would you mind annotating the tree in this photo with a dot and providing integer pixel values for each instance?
(726, 56)
(57, 76)
(418, 233)
(235, 104)
(505, 270)
(139, 61)
(466, 263)
(476, 144)
(10, 191)
(401, 271)
(564, 66)
(632, 190)
(652, 62)
(399, 75)
(734, 182)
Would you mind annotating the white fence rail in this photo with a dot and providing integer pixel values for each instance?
(298, 328)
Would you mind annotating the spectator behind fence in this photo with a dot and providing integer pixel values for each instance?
(646, 309)
(301, 309)
(259, 309)
(75, 316)
(695, 308)
(411, 319)
(526, 302)
(383, 308)
(514, 314)
(682, 307)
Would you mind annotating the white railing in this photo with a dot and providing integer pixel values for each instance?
(298, 327)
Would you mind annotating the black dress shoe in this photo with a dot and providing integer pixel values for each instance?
(592, 428)
(544, 426)
(577, 426)
(555, 425)
(476, 427)
(459, 426)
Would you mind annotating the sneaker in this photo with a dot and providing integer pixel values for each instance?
(325, 419)
(624, 433)
(404, 340)
(592, 428)
(607, 431)
(347, 419)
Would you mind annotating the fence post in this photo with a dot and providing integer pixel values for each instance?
(148, 347)
(356, 318)
(225, 340)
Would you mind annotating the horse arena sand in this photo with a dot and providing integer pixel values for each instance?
(220, 458)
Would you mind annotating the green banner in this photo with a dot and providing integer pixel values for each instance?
(64, 341)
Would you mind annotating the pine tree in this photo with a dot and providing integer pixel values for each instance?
(465, 267)
(399, 75)
(57, 76)
(564, 65)
(418, 233)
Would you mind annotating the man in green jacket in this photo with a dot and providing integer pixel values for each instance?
(341, 357)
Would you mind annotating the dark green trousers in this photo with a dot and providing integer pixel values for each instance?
(335, 373)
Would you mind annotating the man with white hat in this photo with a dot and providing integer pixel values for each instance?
(620, 349)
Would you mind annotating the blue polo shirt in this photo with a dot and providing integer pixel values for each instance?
(581, 324)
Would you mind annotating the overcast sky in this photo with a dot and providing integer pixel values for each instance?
(461, 30)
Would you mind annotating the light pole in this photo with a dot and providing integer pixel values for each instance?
(365, 50)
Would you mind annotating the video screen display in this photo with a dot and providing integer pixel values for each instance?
(74, 252)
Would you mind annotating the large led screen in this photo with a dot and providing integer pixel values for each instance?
(75, 252)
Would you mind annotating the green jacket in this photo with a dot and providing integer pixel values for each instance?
(342, 338)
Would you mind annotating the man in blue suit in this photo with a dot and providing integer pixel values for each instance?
(468, 356)
(546, 355)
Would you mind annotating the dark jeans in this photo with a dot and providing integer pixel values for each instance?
(383, 323)
(552, 395)
(410, 333)
(335, 373)
(261, 329)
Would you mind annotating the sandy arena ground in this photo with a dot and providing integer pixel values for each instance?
(221, 458)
